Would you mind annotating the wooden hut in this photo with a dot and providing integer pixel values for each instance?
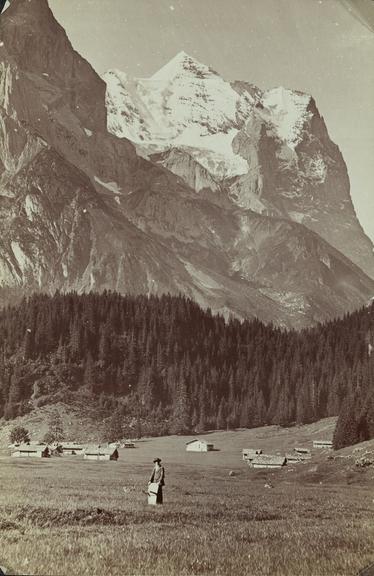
(101, 453)
(322, 444)
(268, 461)
(129, 444)
(31, 451)
(72, 448)
(199, 446)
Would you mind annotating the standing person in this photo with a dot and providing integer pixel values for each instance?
(158, 477)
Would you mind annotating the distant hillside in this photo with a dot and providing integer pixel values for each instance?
(164, 363)
(79, 421)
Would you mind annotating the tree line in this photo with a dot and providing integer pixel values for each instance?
(166, 363)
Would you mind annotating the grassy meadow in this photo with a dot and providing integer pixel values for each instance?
(70, 516)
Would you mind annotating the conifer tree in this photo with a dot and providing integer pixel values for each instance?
(346, 430)
(221, 422)
(181, 417)
(55, 428)
(115, 427)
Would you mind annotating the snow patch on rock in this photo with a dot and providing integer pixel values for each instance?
(20, 255)
(287, 112)
(32, 207)
(111, 186)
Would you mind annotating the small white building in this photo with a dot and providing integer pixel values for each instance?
(101, 453)
(199, 446)
(249, 453)
(31, 451)
(322, 444)
(268, 461)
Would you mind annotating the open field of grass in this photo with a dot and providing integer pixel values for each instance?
(70, 516)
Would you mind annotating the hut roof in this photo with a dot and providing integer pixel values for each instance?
(100, 450)
(269, 459)
(327, 442)
(71, 446)
(199, 440)
(31, 448)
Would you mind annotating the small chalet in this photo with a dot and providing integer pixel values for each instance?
(199, 446)
(72, 448)
(128, 444)
(31, 451)
(249, 453)
(322, 444)
(101, 453)
(268, 461)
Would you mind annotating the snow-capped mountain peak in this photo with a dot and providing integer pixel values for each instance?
(184, 104)
(183, 64)
(187, 104)
(269, 149)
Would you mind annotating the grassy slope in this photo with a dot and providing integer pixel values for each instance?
(80, 420)
(67, 515)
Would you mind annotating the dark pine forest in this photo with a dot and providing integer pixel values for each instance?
(166, 362)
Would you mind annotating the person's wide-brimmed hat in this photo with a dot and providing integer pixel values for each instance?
(157, 460)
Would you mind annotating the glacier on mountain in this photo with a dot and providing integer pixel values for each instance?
(269, 150)
(187, 104)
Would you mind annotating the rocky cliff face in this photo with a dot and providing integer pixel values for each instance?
(81, 209)
(270, 149)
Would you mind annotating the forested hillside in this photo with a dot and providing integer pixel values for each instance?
(165, 361)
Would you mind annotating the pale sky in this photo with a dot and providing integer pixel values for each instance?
(316, 46)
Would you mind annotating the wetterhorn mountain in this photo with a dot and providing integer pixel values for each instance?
(270, 150)
(80, 208)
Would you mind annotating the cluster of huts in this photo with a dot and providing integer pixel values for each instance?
(89, 452)
(253, 456)
(256, 459)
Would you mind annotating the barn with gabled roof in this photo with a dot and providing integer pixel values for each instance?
(198, 445)
(72, 448)
(101, 453)
(31, 451)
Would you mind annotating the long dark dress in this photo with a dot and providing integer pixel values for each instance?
(158, 475)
